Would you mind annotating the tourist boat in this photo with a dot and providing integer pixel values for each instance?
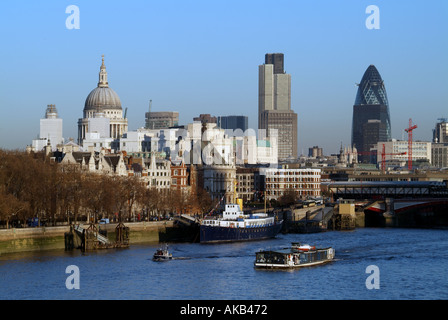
(234, 225)
(162, 255)
(296, 256)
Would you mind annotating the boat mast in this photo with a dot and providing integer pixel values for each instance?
(265, 201)
(234, 191)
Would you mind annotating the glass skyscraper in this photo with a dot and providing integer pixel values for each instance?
(371, 119)
(233, 122)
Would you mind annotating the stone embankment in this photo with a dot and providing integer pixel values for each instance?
(48, 238)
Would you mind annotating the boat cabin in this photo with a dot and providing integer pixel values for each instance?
(232, 212)
(293, 257)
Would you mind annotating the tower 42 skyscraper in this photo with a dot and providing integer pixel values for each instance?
(274, 105)
(371, 119)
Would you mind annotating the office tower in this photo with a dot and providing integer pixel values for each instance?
(233, 122)
(315, 152)
(371, 119)
(161, 120)
(104, 101)
(276, 59)
(205, 118)
(274, 104)
(284, 123)
(440, 133)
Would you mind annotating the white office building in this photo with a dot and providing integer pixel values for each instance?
(397, 151)
(50, 130)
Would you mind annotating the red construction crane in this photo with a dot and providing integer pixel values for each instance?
(383, 156)
(409, 131)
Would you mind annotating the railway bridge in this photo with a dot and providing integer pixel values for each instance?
(400, 204)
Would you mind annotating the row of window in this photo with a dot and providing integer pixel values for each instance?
(293, 179)
(300, 192)
(292, 173)
(161, 183)
(294, 186)
(182, 172)
(159, 174)
(182, 181)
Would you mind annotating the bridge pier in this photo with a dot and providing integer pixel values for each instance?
(390, 218)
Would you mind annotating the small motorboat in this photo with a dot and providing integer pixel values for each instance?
(162, 254)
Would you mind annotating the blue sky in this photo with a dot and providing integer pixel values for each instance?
(202, 57)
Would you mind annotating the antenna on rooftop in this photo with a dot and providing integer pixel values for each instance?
(149, 114)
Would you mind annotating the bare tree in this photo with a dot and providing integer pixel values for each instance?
(12, 208)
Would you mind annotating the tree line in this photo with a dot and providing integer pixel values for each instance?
(33, 186)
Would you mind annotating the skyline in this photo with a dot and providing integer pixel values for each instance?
(203, 57)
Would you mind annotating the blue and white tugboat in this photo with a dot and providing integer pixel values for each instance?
(296, 256)
(233, 225)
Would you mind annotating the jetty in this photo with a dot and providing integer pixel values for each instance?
(92, 238)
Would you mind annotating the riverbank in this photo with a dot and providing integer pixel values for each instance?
(49, 238)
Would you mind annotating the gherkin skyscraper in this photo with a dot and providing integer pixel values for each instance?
(371, 119)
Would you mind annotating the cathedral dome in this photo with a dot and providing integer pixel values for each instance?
(102, 97)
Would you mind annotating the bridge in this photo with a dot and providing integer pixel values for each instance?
(419, 212)
(375, 190)
(396, 203)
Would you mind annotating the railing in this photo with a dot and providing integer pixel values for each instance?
(100, 237)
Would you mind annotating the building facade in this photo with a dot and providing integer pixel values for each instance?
(397, 150)
(439, 155)
(233, 122)
(315, 152)
(371, 119)
(440, 132)
(205, 118)
(157, 172)
(179, 175)
(245, 185)
(305, 182)
(282, 127)
(220, 182)
(161, 119)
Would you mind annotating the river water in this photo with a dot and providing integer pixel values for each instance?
(409, 264)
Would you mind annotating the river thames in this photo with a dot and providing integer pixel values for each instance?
(410, 264)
